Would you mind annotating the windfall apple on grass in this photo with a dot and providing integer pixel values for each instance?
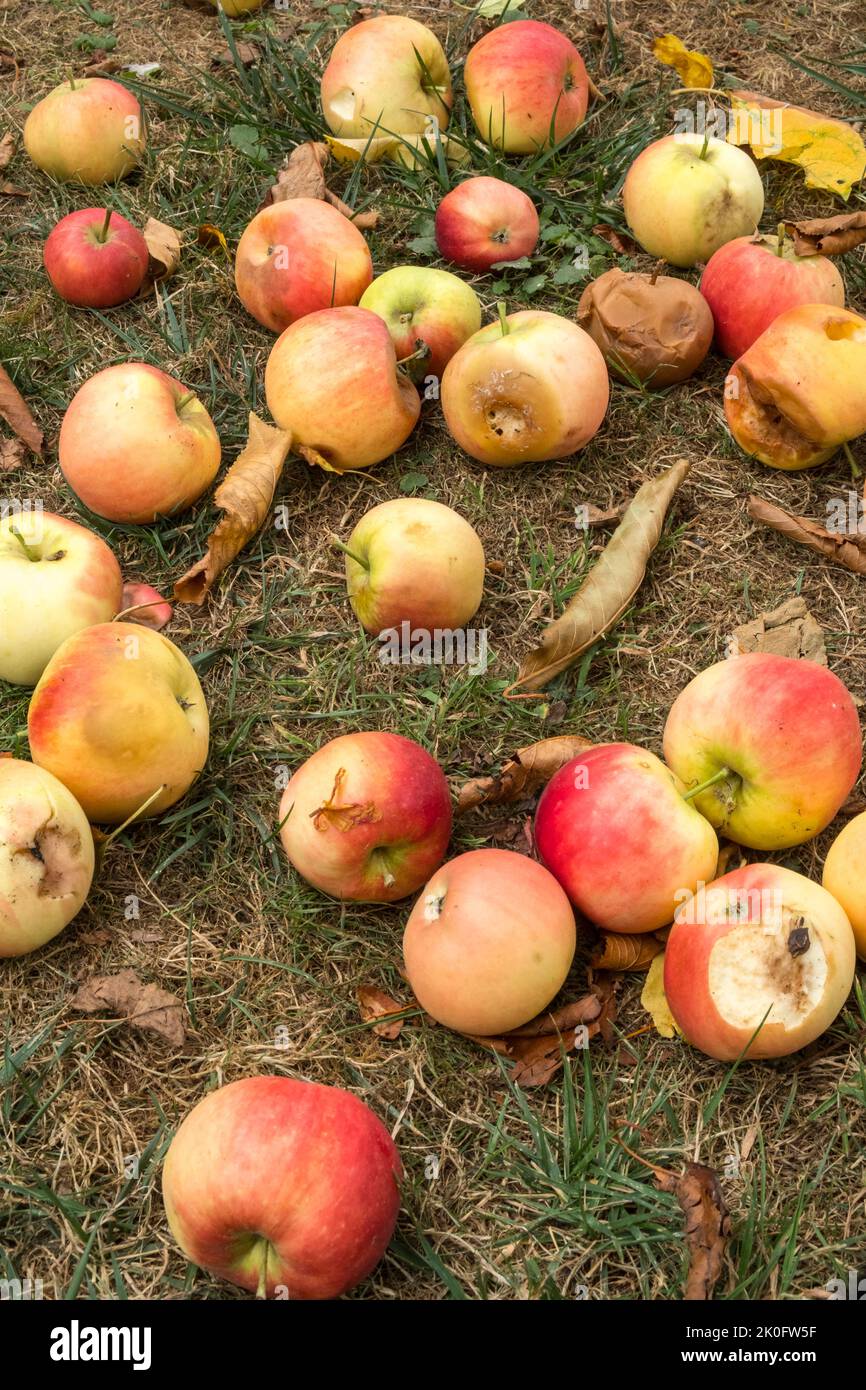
(386, 76)
(95, 259)
(527, 86)
(654, 329)
(427, 311)
(87, 130)
(484, 221)
(845, 876)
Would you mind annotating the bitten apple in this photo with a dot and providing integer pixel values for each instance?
(489, 942)
(332, 381)
(775, 739)
(686, 195)
(56, 577)
(46, 857)
(845, 876)
(613, 828)
(95, 258)
(367, 817)
(483, 221)
(284, 1187)
(530, 387)
(135, 444)
(758, 964)
(386, 75)
(117, 716)
(527, 86)
(425, 308)
(414, 560)
(87, 130)
(299, 256)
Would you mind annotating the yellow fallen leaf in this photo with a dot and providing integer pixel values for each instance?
(352, 151)
(831, 152)
(211, 236)
(694, 69)
(654, 999)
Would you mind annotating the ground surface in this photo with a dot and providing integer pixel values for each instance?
(508, 1195)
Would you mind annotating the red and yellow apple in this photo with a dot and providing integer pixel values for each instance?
(777, 741)
(119, 717)
(299, 256)
(758, 964)
(95, 258)
(798, 393)
(489, 942)
(686, 195)
(46, 857)
(425, 308)
(287, 1188)
(56, 577)
(483, 221)
(135, 444)
(613, 828)
(527, 86)
(367, 817)
(88, 130)
(332, 381)
(845, 876)
(386, 75)
(530, 387)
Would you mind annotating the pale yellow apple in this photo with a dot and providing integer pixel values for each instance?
(88, 130)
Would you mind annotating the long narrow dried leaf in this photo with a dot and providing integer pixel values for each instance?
(609, 589)
(844, 548)
(16, 412)
(530, 768)
(707, 1225)
(828, 236)
(245, 495)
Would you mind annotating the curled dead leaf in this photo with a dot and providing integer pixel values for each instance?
(530, 769)
(163, 248)
(828, 236)
(655, 1001)
(12, 454)
(622, 244)
(375, 1003)
(707, 1225)
(16, 412)
(142, 1006)
(693, 69)
(303, 176)
(615, 951)
(210, 237)
(846, 548)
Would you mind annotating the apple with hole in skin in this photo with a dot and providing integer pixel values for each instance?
(299, 256)
(95, 259)
(135, 444)
(117, 716)
(332, 381)
(367, 817)
(56, 577)
(483, 221)
(614, 829)
(285, 1187)
(798, 393)
(525, 82)
(489, 942)
(775, 741)
(750, 281)
(762, 951)
(46, 857)
(530, 387)
(414, 560)
(425, 307)
(88, 130)
(386, 75)
(686, 195)
(845, 876)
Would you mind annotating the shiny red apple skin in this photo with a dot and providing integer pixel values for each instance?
(284, 1187)
(525, 81)
(89, 272)
(483, 221)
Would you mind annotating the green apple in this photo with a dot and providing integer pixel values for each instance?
(425, 307)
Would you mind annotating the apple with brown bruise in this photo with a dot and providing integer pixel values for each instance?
(651, 328)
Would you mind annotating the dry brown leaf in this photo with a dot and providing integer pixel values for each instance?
(610, 587)
(622, 244)
(101, 67)
(245, 495)
(539, 1059)
(7, 149)
(12, 190)
(789, 630)
(12, 454)
(304, 177)
(828, 236)
(707, 1225)
(618, 952)
(530, 768)
(844, 548)
(144, 937)
(163, 246)
(248, 54)
(143, 1006)
(561, 1020)
(16, 412)
(375, 1003)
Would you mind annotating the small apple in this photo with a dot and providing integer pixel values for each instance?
(613, 828)
(285, 1187)
(530, 387)
(845, 876)
(118, 716)
(386, 76)
(527, 86)
(424, 307)
(797, 393)
(483, 221)
(414, 560)
(46, 857)
(686, 195)
(367, 817)
(758, 964)
(489, 942)
(651, 328)
(775, 741)
(332, 381)
(136, 445)
(750, 281)
(95, 258)
(56, 577)
(299, 256)
(87, 130)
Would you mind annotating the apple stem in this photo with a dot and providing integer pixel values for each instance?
(351, 554)
(28, 550)
(103, 231)
(780, 237)
(657, 270)
(503, 317)
(705, 146)
(856, 470)
(719, 776)
(421, 351)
